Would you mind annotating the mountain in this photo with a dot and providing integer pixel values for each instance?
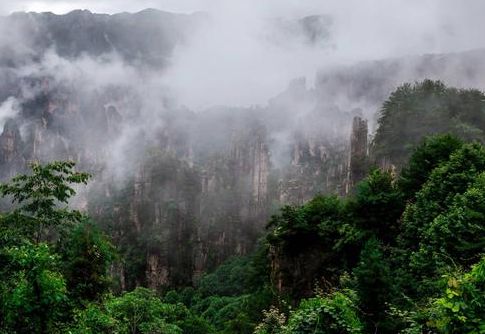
(181, 191)
(368, 84)
(145, 38)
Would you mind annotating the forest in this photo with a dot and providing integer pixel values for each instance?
(402, 253)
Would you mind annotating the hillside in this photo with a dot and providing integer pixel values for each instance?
(180, 191)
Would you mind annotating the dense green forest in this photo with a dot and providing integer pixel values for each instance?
(403, 254)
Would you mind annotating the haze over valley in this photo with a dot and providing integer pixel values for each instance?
(241, 153)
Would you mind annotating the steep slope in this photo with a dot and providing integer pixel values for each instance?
(181, 191)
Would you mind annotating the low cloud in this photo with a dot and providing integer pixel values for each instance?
(8, 110)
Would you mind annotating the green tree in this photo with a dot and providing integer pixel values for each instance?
(41, 199)
(318, 238)
(432, 152)
(374, 286)
(413, 112)
(138, 312)
(461, 308)
(273, 322)
(336, 313)
(437, 194)
(377, 206)
(86, 257)
(33, 288)
(33, 292)
(456, 236)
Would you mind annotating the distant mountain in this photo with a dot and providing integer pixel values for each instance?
(147, 37)
(313, 30)
(197, 188)
(367, 84)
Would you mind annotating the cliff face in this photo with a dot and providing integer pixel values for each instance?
(297, 271)
(317, 167)
(179, 192)
(165, 211)
(11, 158)
(234, 205)
(172, 215)
(152, 218)
(358, 159)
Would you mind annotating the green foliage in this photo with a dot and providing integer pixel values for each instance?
(299, 227)
(329, 232)
(232, 297)
(456, 236)
(139, 312)
(449, 179)
(406, 233)
(223, 311)
(373, 285)
(33, 291)
(42, 198)
(41, 280)
(87, 255)
(335, 313)
(413, 112)
(378, 205)
(229, 279)
(319, 237)
(273, 322)
(427, 156)
(461, 309)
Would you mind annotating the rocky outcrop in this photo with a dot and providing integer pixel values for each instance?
(180, 192)
(358, 160)
(11, 146)
(173, 209)
(304, 267)
(235, 197)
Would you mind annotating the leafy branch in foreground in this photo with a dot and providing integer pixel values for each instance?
(41, 198)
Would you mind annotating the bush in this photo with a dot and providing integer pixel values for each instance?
(335, 313)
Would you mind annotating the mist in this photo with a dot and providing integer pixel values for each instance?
(199, 120)
(281, 63)
(241, 57)
(234, 60)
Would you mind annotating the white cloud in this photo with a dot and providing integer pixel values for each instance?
(8, 109)
(230, 63)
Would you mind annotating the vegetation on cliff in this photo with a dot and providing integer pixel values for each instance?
(398, 261)
(426, 108)
(403, 254)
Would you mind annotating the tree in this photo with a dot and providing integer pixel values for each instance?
(33, 289)
(138, 312)
(377, 206)
(273, 322)
(335, 313)
(41, 199)
(312, 242)
(299, 225)
(373, 286)
(432, 152)
(86, 255)
(33, 294)
(456, 236)
(413, 112)
(437, 194)
(461, 307)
